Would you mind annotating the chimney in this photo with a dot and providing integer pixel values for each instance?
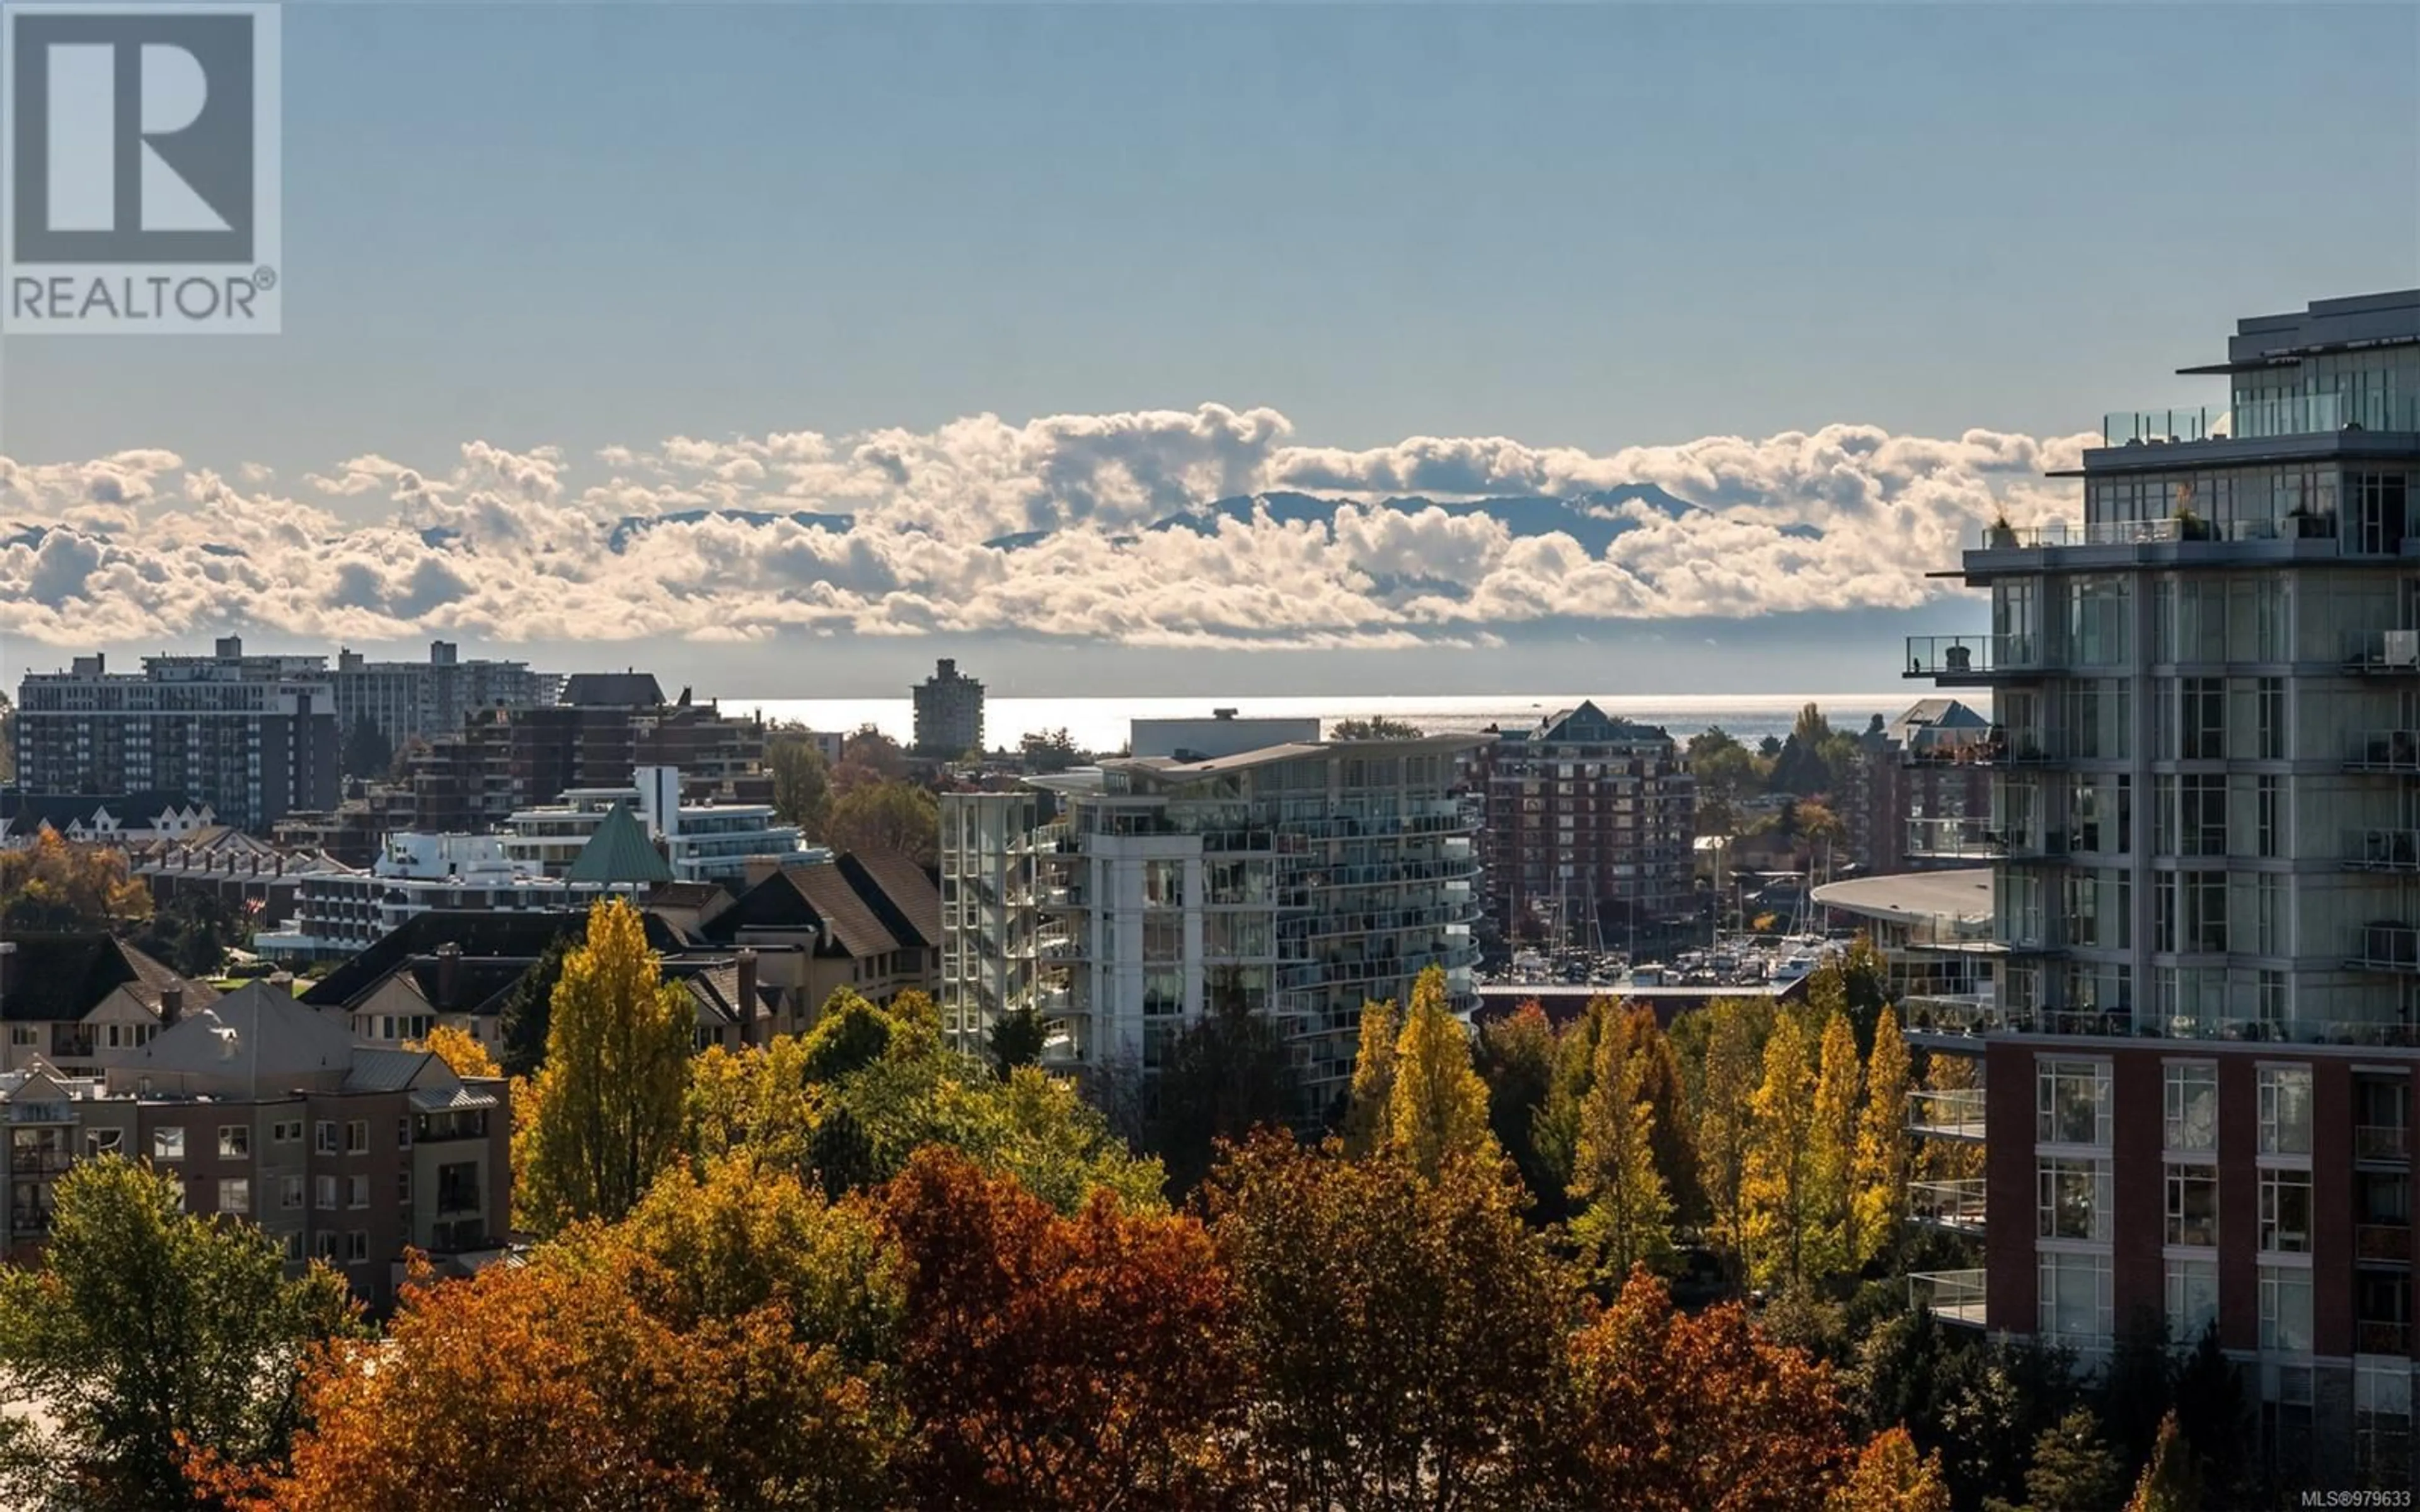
(172, 1004)
(747, 998)
(449, 973)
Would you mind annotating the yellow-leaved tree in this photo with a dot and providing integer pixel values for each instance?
(1883, 1154)
(608, 1100)
(1832, 1150)
(1366, 1115)
(465, 1055)
(1437, 1110)
(1726, 1126)
(1778, 1163)
(1629, 1216)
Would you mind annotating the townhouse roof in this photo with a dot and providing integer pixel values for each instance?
(1585, 721)
(62, 977)
(260, 1032)
(500, 936)
(860, 904)
(27, 811)
(618, 852)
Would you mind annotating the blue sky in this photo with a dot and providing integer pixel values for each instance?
(1592, 227)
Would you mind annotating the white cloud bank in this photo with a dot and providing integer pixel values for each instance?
(699, 539)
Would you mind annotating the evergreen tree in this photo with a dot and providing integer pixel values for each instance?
(1222, 1078)
(1516, 1060)
(528, 1013)
(1779, 1165)
(1015, 1040)
(1832, 1152)
(1629, 1217)
(1672, 1134)
(1367, 1115)
(1437, 1111)
(2073, 1469)
(1726, 1128)
(1883, 1148)
(616, 1066)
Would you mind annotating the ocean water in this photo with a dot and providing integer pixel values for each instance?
(1101, 723)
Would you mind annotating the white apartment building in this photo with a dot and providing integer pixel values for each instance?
(1122, 900)
(703, 842)
(339, 913)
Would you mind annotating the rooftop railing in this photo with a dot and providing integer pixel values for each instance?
(2300, 414)
(2061, 534)
(1952, 1296)
(1969, 656)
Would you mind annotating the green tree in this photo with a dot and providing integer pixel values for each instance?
(1437, 1110)
(1015, 1040)
(2073, 1469)
(529, 1011)
(1371, 1100)
(801, 779)
(367, 753)
(887, 816)
(1375, 727)
(1048, 750)
(1629, 1216)
(1516, 1060)
(1727, 1128)
(1832, 1150)
(1673, 1134)
(1780, 1156)
(868, 757)
(616, 1065)
(1883, 1157)
(144, 1325)
(1222, 1077)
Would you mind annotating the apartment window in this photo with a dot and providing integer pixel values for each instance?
(2072, 1102)
(2285, 1307)
(2203, 822)
(104, 1141)
(326, 1245)
(326, 1194)
(403, 1189)
(294, 1247)
(2192, 1205)
(1163, 883)
(357, 1137)
(2381, 1423)
(357, 1246)
(2202, 721)
(235, 1141)
(326, 1141)
(2268, 914)
(168, 1144)
(2266, 835)
(289, 1191)
(403, 1132)
(357, 1190)
(2203, 899)
(2192, 1104)
(2192, 1299)
(2164, 814)
(2286, 1213)
(2285, 1110)
(2075, 1300)
(2272, 718)
(2074, 1199)
(285, 1132)
(235, 1195)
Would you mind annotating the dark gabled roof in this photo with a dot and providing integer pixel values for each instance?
(483, 935)
(899, 893)
(619, 853)
(1588, 723)
(817, 896)
(61, 978)
(612, 690)
(684, 894)
(29, 811)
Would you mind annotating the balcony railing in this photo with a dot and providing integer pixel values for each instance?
(2381, 1141)
(1971, 656)
(2382, 1242)
(1956, 1206)
(2385, 946)
(2392, 653)
(2299, 414)
(2385, 750)
(1952, 1296)
(2057, 534)
(1952, 1113)
(2378, 1336)
(2382, 850)
(1991, 746)
(1949, 839)
(1951, 1013)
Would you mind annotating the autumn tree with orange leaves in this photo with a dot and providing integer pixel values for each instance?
(1053, 1361)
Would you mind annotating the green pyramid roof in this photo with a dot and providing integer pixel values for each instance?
(619, 853)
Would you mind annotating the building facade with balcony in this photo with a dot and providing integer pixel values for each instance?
(1917, 793)
(1300, 880)
(2199, 1062)
(266, 1111)
(948, 713)
(404, 700)
(1591, 823)
(251, 736)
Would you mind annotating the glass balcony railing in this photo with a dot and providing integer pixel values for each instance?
(2385, 750)
(2385, 946)
(1971, 656)
(1952, 1296)
(1957, 1206)
(2298, 414)
(1955, 1113)
(2382, 850)
(2060, 534)
(2381, 1141)
(2382, 1242)
(1955, 839)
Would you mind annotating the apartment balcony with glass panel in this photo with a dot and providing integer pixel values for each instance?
(1953, 1207)
(1955, 839)
(2382, 850)
(1949, 1113)
(2385, 750)
(1952, 1296)
(1957, 661)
